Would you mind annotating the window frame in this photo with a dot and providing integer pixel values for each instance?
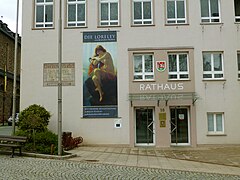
(176, 19)
(142, 20)
(213, 72)
(215, 123)
(109, 21)
(211, 18)
(45, 25)
(76, 22)
(178, 72)
(143, 73)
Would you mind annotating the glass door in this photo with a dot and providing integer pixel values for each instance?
(144, 126)
(179, 126)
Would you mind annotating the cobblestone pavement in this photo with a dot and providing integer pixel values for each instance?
(23, 168)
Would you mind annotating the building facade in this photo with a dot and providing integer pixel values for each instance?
(136, 72)
(7, 45)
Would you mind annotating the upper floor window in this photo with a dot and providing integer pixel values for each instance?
(215, 123)
(176, 11)
(142, 12)
(43, 13)
(210, 11)
(213, 65)
(237, 10)
(238, 60)
(178, 66)
(143, 67)
(76, 10)
(109, 12)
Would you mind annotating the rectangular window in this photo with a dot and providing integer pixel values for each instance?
(142, 12)
(76, 13)
(213, 65)
(238, 60)
(43, 13)
(143, 67)
(237, 10)
(176, 12)
(215, 123)
(109, 12)
(178, 67)
(210, 11)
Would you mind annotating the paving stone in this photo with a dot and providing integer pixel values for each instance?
(23, 168)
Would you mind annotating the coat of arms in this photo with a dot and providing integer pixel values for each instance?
(161, 66)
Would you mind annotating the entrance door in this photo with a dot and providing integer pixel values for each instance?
(179, 126)
(144, 126)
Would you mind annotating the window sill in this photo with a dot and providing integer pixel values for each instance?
(109, 26)
(142, 25)
(42, 28)
(75, 27)
(212, 23)
(176, 24)
(216, 134)
(141, 81)
(177, 80)
(210, 80)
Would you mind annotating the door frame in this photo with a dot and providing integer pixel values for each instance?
(189, 128)
(135, 125)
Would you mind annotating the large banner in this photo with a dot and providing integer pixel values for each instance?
(100, 97)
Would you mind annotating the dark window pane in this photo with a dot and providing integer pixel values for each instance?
(170, 9)
(184, 76)
(172, 64)
(137, 63)
(147, 12)
(104, 11)
(183, 62)
(238, 58)
(148, 63)
(207, 62)
(49, 13)
(114, 11)
(40, 15)
(149, 77)
(172, 76)
(204, 8)
(71, 13)
(218, 75)
(237, 7)
(207, 76)
(138, 77)
(180, 9)
(137, 10)
(210, 122)
(81, 12)
(214, 8)
(217, 62)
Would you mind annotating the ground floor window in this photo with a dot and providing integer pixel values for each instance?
(215, 123)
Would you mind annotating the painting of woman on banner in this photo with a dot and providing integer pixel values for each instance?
(102, 79)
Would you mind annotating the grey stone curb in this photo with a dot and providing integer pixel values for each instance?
(44, 156)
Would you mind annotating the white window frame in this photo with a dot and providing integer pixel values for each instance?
(210, 18)
(43, 24)
(238, 60)
(76, 23)
(212, 72)
(142, 21)
(109, 21)
(176, 19)
(237, 18)
(215, 123)
(178, 72)
(143, 73)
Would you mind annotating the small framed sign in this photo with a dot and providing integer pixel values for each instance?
(161, 66)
